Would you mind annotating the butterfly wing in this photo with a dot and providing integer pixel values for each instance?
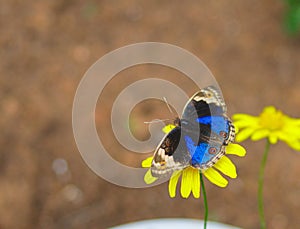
(221, 127)
(206, 127)
(204, 155)
(170, 155)
(206, 102)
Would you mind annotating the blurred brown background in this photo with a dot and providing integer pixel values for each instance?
(46, 47)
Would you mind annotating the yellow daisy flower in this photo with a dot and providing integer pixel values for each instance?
(271, 124)
(190, 176)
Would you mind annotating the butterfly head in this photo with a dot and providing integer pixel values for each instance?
(177, 122)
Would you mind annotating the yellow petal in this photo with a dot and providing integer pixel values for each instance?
(294, 145)
(236, 149)
(292, 140)
(147, 162)
(215, 177)
(237, 129)
(186, 182)
(291, 129)
(273, 138)
(148, 178)
(269, 109)
(196, 184)
(259, 134)
(242, 117)
(244, 134)
(293, 121)
(173, 183)
(242, 123)
(168, 128)
(286, 136)
(226, 166)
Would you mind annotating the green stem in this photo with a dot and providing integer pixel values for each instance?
(261, 186)
(205, 200)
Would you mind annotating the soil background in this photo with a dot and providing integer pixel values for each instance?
(47, 46)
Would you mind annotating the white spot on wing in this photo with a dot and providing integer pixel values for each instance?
(197, 98)
(161, 152)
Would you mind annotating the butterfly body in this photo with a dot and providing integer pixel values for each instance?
(199, 138)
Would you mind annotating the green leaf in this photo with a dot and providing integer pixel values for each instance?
(292, 20)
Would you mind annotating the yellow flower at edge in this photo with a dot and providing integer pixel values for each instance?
(190, 176)
(271, 124)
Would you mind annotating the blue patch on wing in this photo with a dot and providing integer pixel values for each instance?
(217, 123)
(199, 153)
(190, 145)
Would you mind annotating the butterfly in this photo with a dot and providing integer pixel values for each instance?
(199, 137)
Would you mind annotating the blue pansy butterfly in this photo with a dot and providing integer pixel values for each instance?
(199, 137)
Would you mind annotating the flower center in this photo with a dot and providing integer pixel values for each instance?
(272, 121)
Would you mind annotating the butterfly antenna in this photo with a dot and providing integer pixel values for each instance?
(163, 120)
(169, 108)
(156, 120)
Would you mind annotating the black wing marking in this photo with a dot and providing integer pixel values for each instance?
(170, 155)
(229, 138)
(206, 102)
